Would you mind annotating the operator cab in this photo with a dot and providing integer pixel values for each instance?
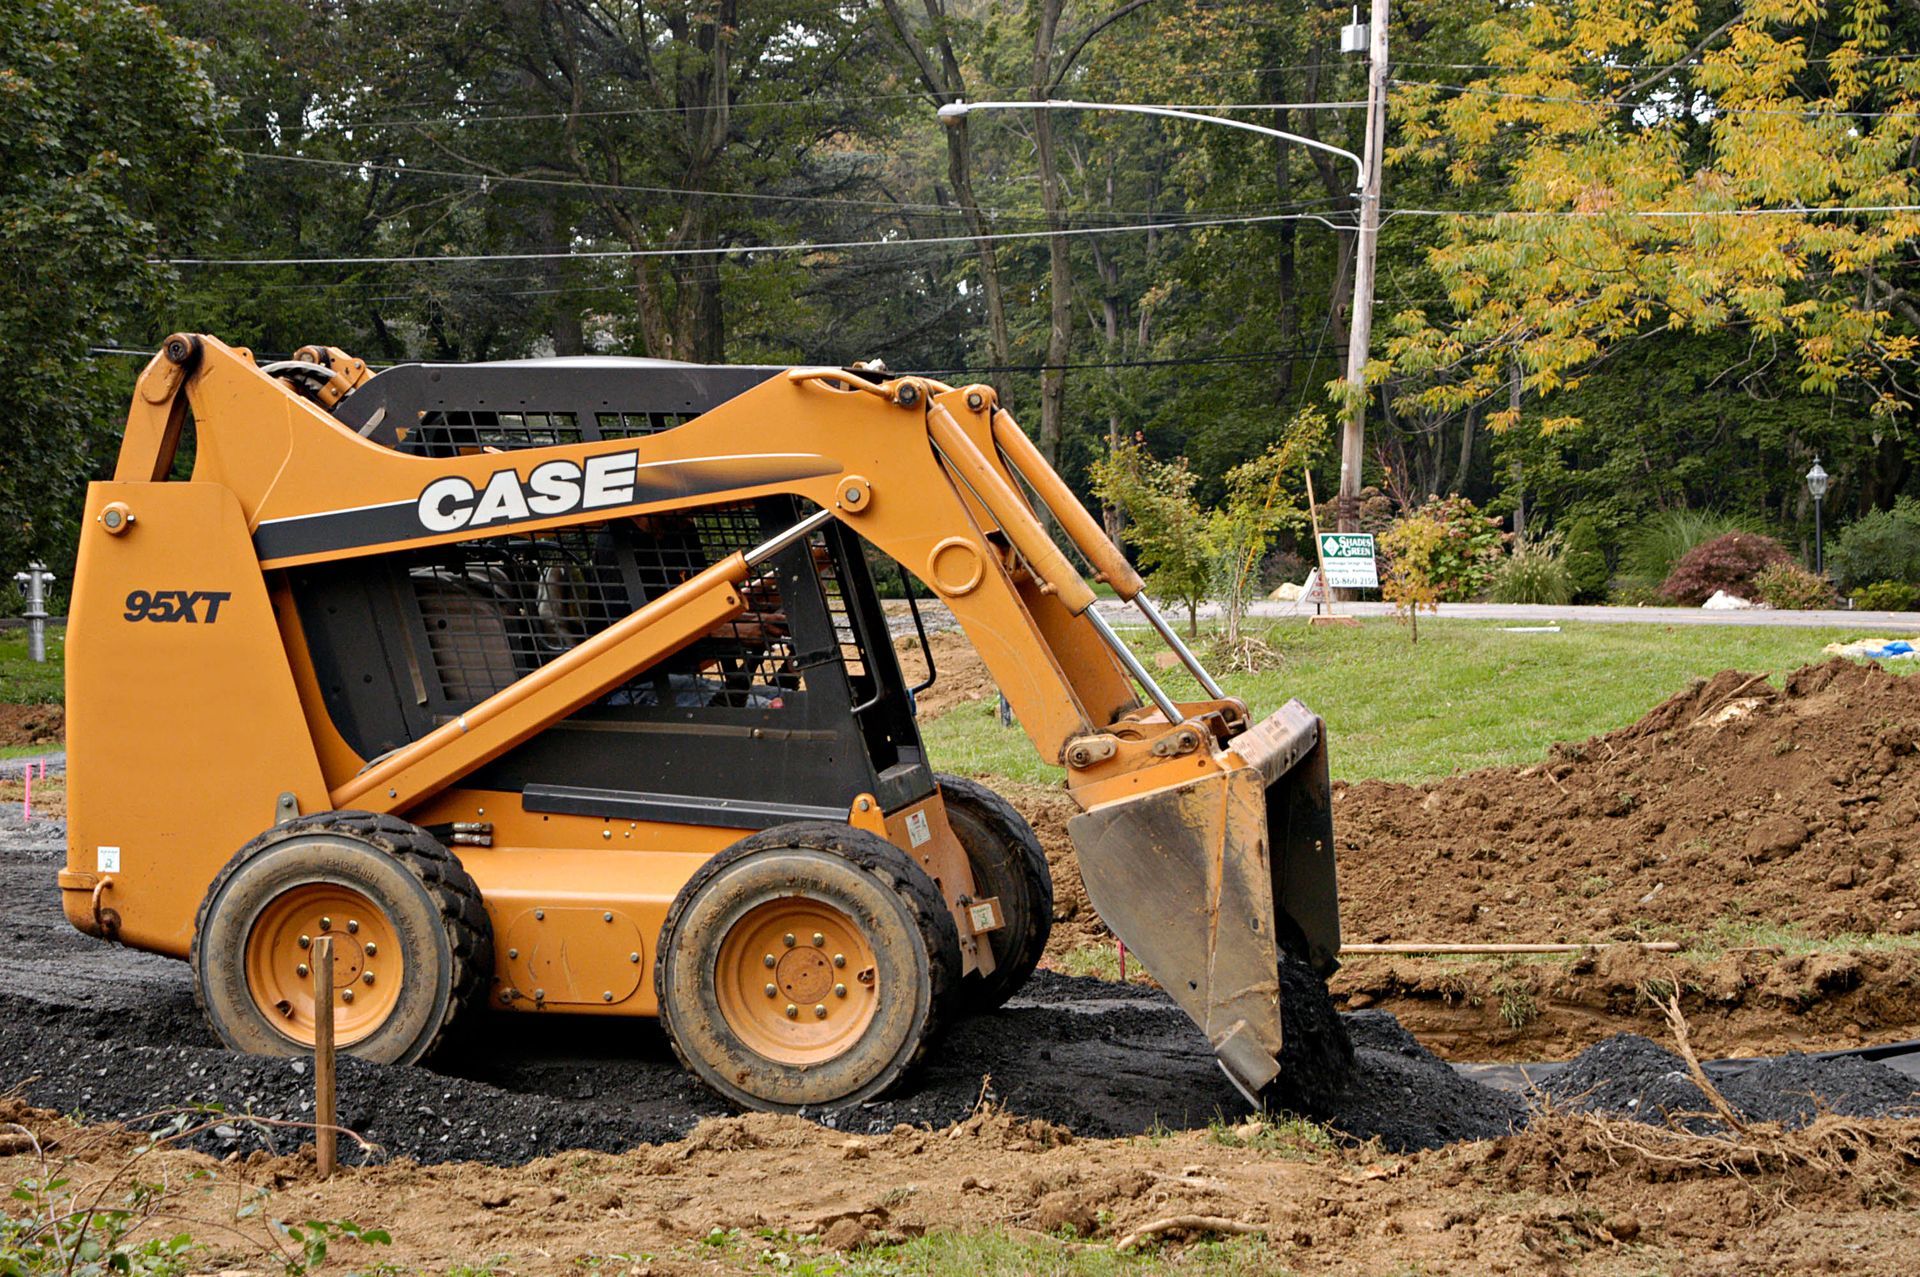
(405, 642)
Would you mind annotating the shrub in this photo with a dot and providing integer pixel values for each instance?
(1652, 550)
(1729, 562)
(1792, 588)
(1881, 545)
(1536, 572)
(1586, 561)
(1458, 560)
(1887, 596)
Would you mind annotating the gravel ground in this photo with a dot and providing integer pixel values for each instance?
(1634, 1077)
(104, 1031)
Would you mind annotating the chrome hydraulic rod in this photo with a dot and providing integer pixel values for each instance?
(781, 540)
(1133, 665)
(1172, 640)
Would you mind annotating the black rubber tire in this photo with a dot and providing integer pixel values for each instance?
(446, 936)
(867, 878)
(1316, 1055)
(1008, 862)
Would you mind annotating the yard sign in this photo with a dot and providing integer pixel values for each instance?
(1348, 559)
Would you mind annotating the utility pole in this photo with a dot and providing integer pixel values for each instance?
(1353, 433)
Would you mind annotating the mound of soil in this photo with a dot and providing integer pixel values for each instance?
(1730, 803)
(961, 677)
(32, 724)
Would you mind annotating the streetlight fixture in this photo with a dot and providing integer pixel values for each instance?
(1817, 481)
(953, 111)
(1368, 37)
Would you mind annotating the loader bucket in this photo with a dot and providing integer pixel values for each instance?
(1210, 881)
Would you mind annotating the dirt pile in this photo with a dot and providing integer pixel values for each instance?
(961, 677)
(1732, 804)
(32, 724)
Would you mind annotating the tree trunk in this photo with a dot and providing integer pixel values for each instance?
(945, 82)
(1053, 377)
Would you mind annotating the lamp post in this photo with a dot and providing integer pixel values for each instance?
(1366, 171)
(1817, 485)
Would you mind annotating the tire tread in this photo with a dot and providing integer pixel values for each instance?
(455, 896)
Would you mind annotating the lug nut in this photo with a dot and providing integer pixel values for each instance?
(820, 1011)
(767, 961)
(793, 1011)
(301, 971)
(326, 924)
(839, 959)
(367, 978)
(346, 995)
(306, 942)
(352, 926)
(839, 990)
(772, 989)
(819, 941)
(372, 949)
(788, 940)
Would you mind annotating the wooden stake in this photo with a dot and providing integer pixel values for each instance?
(1649, 946)
(323, 1101)
(1326, 594)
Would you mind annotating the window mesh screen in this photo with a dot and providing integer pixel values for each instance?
(634, 425)
(455, 433)
(496, 610)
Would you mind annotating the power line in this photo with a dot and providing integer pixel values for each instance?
(745, 250)
(1619, 104)
(526, 117)
(1653, 212)
(1176, 361)
(625, 188)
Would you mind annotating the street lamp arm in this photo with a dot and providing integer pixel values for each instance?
(954, 110)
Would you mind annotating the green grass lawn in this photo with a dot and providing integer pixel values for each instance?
(22, 682)
(1468, 695)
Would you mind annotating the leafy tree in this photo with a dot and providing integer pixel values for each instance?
(1412, 549)
(1261, 503)
(1166, 526)
(1610, 129)
(110, 152)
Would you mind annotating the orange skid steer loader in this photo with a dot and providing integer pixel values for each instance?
(563, 686)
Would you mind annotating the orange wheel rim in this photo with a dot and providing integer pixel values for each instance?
(367, 962)
(797, 981)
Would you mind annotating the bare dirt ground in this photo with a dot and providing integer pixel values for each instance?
(759, 1193)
